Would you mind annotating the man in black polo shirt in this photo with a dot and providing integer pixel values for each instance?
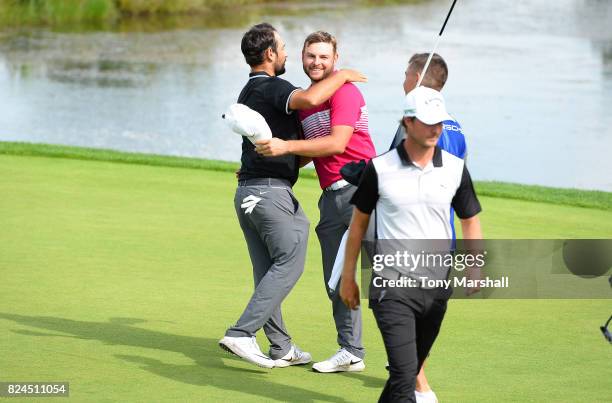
(274, 225)
(412, 188)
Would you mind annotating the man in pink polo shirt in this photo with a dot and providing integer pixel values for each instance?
(335, 133)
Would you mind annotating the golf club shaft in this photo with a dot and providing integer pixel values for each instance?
(436, 45)
(447, 17)
(428, 61)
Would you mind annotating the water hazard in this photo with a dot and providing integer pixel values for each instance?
(531, 82)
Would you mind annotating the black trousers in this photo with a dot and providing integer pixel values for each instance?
(409, 320)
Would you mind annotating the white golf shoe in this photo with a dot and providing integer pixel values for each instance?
(426, 397)
(295, 356)
(342, 361)
(247, 349)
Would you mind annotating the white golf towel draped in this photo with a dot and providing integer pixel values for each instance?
(338, 264)
(247, 122)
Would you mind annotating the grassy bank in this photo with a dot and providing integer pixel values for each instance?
(62, 13)
(570, 197)
(120, 278)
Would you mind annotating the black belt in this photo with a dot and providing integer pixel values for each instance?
(264, 182)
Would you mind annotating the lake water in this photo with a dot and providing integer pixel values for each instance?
(530, 81)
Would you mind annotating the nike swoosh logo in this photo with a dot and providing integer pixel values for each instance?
(262, 193)
(355, 362)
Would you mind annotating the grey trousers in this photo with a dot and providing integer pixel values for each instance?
(276, 232)
(335, 218)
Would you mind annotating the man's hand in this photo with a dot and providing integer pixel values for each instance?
(472, 235)
(353, 76)
(349, 293)
(273, 147)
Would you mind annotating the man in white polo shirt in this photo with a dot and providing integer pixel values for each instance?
(412, 189)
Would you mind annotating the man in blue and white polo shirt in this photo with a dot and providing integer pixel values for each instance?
(412, 189)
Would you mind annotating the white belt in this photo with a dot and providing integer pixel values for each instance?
(337, 185)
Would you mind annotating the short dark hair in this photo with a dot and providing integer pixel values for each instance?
(437, 72)
(403, 123)
(318, 37)
(255, 42)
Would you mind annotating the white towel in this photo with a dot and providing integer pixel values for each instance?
(247, 122)
(338, 264)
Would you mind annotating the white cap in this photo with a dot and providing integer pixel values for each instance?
(427, 105)
(247, 122)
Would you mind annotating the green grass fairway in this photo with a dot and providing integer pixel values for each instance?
(121, 278)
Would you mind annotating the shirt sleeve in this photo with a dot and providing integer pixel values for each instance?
(465, 202)
(346, 106)
(278, 92)
(366, 195)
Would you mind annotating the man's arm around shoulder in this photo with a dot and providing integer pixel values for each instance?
(346, 105)
(320, 92)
